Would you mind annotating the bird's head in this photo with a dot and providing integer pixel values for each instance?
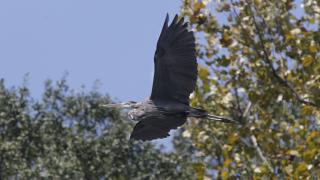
(129, 104)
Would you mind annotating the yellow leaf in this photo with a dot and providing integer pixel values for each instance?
(313, 134)
(224, 175)
(198, 5)
(312, 20)
(257, 2)
(233, 138)
(302, 167)
(203, 72)
(227, 162)
(313, 48)
(307, 60)
(306, 110)
(288, 37)
(309, 155)
(289, 75)
(199, 169)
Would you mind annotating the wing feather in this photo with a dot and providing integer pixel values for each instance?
(156, 127)
(175, 63)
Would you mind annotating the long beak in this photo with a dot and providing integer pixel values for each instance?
(111, 105)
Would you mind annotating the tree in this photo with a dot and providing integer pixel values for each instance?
(260, 64)
(66, 135)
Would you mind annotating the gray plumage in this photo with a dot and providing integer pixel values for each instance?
(174, 80)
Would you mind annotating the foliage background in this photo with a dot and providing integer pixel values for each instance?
(259, 64)
(66, 135)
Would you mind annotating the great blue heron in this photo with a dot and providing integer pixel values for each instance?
(174, 80)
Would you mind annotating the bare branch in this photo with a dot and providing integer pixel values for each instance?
(260, 153)
(247, 110)
(254, 140)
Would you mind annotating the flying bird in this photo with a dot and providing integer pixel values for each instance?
(175, 76)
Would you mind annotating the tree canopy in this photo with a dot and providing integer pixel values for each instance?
(67, 135)
(260, 64)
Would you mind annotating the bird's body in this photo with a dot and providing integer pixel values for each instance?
(156, 119)
(150, 107)
(174, 80)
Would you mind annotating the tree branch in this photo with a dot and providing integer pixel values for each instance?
(254, 140)
(266, 58)
(263, 158)
(246, 111)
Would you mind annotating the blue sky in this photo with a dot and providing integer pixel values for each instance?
(112, 41)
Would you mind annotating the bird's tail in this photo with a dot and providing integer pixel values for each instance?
(200, 113)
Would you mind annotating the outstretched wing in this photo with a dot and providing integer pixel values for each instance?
(175, 63)
(156, 127)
